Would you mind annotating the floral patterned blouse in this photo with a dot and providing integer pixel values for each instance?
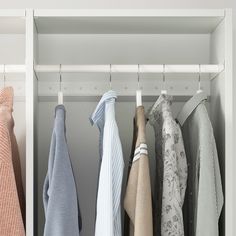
(174, 168)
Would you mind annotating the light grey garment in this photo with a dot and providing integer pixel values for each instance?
(204, 196)
(59, 192)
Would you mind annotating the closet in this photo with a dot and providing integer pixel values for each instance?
(81, 45)
(12, 68)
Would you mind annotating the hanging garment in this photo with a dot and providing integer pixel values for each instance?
(62, 213)
(171, 169)
(126, 216)
(138, 200)
(12, 200)
(204, 197)
(108, 206)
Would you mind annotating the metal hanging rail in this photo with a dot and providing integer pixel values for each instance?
(206, 68)
(12, 69)
(131, 68)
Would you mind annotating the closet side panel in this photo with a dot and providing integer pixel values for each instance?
(217, 108)
(31, 93)
(36, 118)
(230, 175)
(221, 111)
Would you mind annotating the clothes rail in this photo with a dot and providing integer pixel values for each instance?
(12, 69)
(131, 68)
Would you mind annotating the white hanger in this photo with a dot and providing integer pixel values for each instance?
(138, 93)
(164, 91)
(60, 93)
(199, 80)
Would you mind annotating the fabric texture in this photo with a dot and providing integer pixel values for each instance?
(12, 200)
(62, 213)
(108, 206)
(126, 216)
(170, 192)
(138, 201)
(204, 196)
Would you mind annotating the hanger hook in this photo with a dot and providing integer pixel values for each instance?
(110, 78)
(199, 78)
(164, 76)
(4, 75)
(138, 77)
(60, 77)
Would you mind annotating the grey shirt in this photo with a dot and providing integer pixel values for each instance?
(204, 197)
(59, 192)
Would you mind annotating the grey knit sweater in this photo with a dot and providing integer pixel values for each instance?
(59, 193)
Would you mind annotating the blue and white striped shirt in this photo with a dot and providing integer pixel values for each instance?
(108, 210)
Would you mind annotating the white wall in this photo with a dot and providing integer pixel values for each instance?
(117, 4)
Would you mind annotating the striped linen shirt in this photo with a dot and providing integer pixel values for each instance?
(108, 209)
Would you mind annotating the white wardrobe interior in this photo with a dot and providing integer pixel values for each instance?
(12, 52)
(114, 40)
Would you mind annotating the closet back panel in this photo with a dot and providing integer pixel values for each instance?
(121, 49)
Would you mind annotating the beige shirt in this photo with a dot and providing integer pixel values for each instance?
(137, 202)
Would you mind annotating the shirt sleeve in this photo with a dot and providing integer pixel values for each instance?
(11, 222)
(181, 163)
(60, 195)
(210, 194)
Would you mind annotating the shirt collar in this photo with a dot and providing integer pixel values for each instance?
(98, 113)
(154, 110)
(60, 109)
(190, 106)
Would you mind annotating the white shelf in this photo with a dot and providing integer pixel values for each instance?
(127, 21)
(129, 12)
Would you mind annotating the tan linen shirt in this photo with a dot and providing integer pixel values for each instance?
(12, 203)
(137, 202)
